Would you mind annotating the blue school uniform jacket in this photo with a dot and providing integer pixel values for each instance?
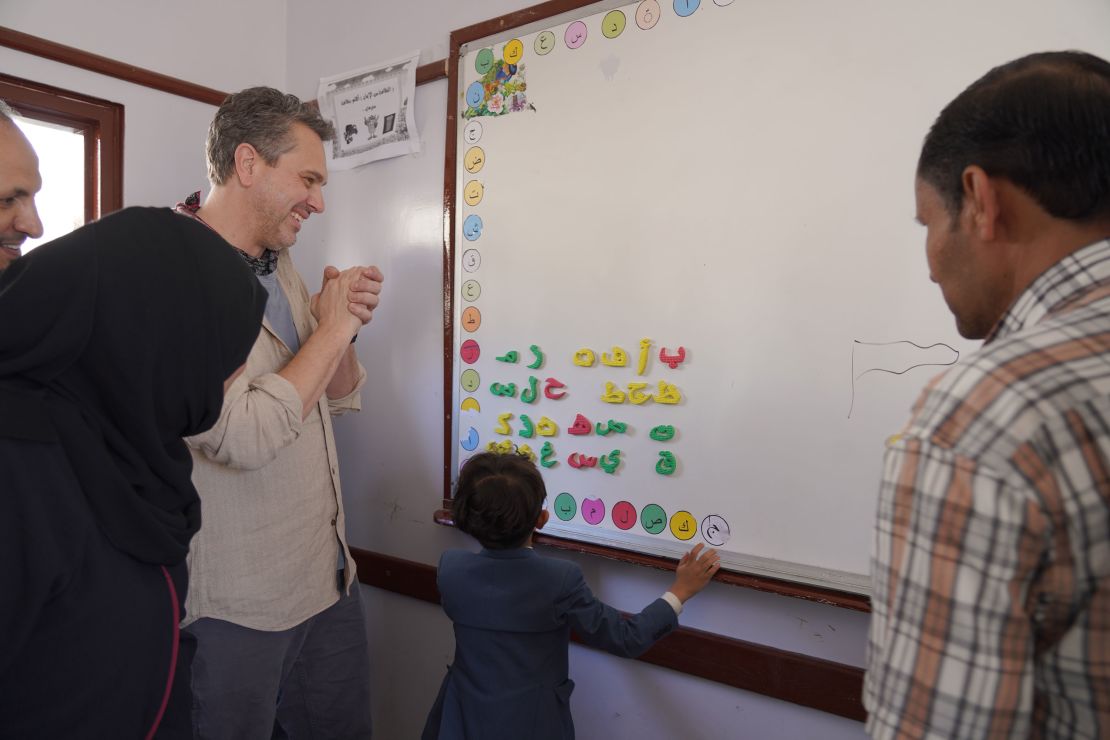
(513, 612)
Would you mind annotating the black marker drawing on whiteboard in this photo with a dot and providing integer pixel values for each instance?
(897, 359)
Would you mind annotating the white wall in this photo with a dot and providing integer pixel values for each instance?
(390, 214)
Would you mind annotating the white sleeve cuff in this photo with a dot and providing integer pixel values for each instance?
(674, 602)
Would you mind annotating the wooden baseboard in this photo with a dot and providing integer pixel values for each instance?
(800, 679)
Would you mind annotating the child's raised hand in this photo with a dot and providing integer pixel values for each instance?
(694, 572)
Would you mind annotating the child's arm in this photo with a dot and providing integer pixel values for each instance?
(601, 626)
(694, 572)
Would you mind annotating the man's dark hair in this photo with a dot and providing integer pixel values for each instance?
(1042, 122)
(498, 499)
(261, 117)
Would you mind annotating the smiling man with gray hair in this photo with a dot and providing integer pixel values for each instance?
(273, 601)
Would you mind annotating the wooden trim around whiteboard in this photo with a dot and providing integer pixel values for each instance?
(449, 154)
(462, 36)
(512, 20)
(800, 679)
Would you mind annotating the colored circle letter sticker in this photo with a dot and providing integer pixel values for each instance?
(472, 134)
(575, 35)
(474, 159)
(647, 14)
(593, 510)
(472, 193)
(613, 24)
(565, 506)
(685, 8)
(472, 227)
(471, 319)
(469, 351)
(624, 515)
(714, 530)
(514, 50)
(471, 290)
(470, 380)
(483, 61)
(683, 525)
(471, 260)
(545, 42)
(653, 519)
(474, 94)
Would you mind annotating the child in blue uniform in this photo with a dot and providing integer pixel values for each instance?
(513, 612)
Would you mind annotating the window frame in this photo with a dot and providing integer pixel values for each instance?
(99, 121)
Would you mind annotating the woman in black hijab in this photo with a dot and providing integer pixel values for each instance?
(115, 342)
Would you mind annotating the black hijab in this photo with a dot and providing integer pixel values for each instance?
(115, 341)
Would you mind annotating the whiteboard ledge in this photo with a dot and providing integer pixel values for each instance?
(823, 593)
(839, 580)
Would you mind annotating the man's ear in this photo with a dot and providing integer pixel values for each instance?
(246, 156)
(542, 519)
(981, 203)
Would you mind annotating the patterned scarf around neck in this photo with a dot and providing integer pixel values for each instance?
(260, 266)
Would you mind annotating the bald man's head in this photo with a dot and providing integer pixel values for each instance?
(19, 183)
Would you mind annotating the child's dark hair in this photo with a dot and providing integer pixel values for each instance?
(498, 498)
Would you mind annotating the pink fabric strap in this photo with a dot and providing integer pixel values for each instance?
(175, 617)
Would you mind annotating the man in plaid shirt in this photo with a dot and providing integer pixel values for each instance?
(991, 557)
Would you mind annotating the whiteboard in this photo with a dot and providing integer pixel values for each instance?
(720, 195)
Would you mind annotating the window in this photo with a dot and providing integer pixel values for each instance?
(61, 202)
(79, 142)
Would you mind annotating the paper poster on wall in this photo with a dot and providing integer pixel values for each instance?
(372, 111)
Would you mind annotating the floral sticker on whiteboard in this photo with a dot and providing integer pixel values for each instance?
(371, 109)
(500, 90)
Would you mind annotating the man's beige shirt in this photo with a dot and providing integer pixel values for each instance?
(271, 507)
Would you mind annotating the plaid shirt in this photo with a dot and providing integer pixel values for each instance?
(991, 558)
